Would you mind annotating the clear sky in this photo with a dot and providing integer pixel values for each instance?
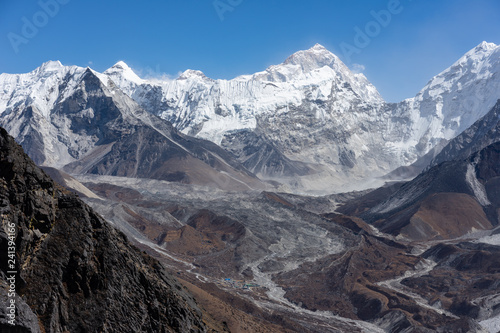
(405, 42)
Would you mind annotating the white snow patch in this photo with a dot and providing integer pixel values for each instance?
(476, 186)
(492, 239)
(492, 324)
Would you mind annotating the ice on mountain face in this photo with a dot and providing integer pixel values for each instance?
(209, 108)
(39, 88)
(122, 70)
(51, 66)
(45, 110)
(316, 66)
(454, 99)
(317, 111)
(120, 66)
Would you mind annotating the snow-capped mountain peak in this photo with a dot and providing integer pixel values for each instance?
(477, 55)
(319, 67)
(485, 46)
(319, 47)
(467, 76)
(316, 63)
(121, 65)
(39, 88)
(193, 74)
(123, 76)
(122, 72)
(315, 57)
(209, 108)
(50, 66)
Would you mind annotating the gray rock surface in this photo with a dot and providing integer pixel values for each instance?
(75, 271)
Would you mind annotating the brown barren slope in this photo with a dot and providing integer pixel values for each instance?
(445, 216)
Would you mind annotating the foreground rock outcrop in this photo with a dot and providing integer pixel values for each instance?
(75, 273)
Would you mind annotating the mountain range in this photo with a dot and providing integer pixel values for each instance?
(290, 200)
(84, 126)
(323, 127)
(320, 122)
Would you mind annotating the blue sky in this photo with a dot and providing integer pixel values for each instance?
(225, 38)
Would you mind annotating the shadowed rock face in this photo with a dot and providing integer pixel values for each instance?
(145, 146)
(447, 201)
(75, 272)
(259, 155)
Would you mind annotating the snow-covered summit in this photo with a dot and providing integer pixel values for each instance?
(121, 65)
(318, 66)
(38, 88)
(193, 74)
(301, 63)
(485, 46)
(210, 108)
(123, 73)
(50, 66)
(313, 58)
(477, 63)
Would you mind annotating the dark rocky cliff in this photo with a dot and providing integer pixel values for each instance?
(75, 272)
(479, 135)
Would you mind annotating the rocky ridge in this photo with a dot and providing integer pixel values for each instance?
(75, 272)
